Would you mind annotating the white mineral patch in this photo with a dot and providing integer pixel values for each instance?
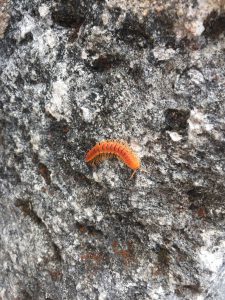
(19, 146)
(212, 261)
(50, 38)
(135, 146)
(196, 77)
(102, 296)
(2, 293)
(88, 212)
(162, 53)
(87, 115)
(212, 255)
(176, 137)
(35, 140)
(158, 294)
(99, 217)
(96, 177)
(144, 272)
(200, 297)
(195, 27)
(105, 17)
(43, 10)
(59, 106)
(197, 124)
(137, 6)
(36, 187)
(165, 221)
(44, 42)
(84, 54)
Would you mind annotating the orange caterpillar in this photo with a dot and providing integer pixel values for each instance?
(113, 148)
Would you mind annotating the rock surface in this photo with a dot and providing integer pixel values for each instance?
(76, 72)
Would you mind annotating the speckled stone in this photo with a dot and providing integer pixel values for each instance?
(151, 73)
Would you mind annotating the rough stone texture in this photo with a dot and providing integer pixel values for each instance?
(4, 16)
(74, 73)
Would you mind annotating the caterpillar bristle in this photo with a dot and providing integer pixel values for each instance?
(113, 148)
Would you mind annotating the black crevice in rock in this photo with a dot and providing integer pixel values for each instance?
(214, 25)
(27, 209)
(44, 172)
(105, 62)
(89, 229)
(176, 119)
(71, 13)
(27, 38)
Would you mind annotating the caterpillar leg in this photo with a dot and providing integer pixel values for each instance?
(101, 157)
(132, 174)
(142, 170)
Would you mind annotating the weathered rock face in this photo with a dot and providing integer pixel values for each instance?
(74, 73)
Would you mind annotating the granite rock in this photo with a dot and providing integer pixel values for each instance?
(78, 71)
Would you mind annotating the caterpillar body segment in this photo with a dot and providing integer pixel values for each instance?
(113, 148)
